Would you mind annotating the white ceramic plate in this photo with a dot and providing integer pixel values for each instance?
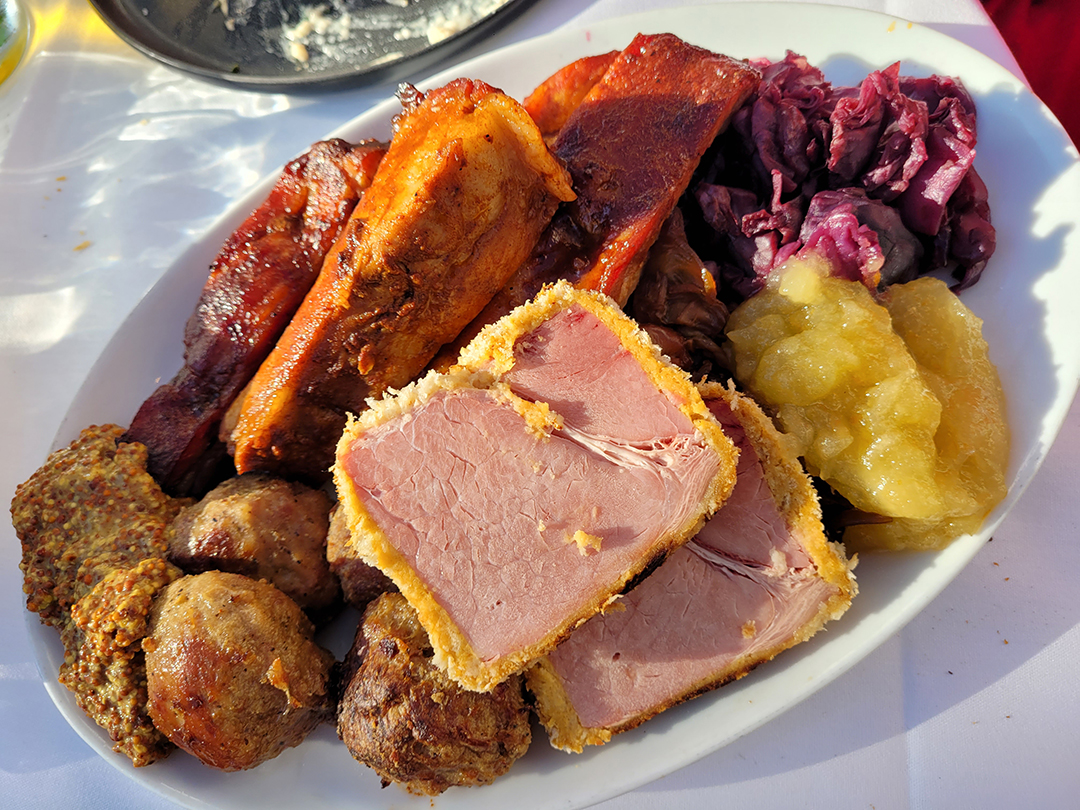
(1026, 297)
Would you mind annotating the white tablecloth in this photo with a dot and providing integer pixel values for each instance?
(972, 705)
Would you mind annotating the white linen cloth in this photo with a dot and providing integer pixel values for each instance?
(972, 705)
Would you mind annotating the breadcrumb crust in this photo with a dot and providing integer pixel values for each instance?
(796, 500)
(481, 365)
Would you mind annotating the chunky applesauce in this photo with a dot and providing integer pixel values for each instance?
(894, 403)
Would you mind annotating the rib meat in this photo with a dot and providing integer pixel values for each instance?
(256, 283)
(631, 147)
(758, 578)
(461, 196)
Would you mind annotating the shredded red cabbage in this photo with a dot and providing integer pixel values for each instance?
(878, 177)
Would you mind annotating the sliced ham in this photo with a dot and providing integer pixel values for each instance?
(517, 495)
(758, 578)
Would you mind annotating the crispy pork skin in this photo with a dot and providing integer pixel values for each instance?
(460, 197)
(758, 578)
(631, 146)
(517, 495)
(554, 100)
(256, 283)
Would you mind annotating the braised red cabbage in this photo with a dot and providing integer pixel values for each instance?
(879, 177)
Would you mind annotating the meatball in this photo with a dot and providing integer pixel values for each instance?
(360, 582)
(410, 722)
(264, 528)
(233, 675)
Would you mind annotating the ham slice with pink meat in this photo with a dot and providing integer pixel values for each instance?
(757, 579)
(517, 495)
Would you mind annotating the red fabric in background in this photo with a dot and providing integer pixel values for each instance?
(1044, 36)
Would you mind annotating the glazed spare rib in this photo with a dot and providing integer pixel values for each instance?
(256, 283)
(459, 199)
(517, 495)
(631, 144)
(758, 578)
(554, 100)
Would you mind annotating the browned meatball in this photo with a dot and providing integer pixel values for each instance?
(233, 675)
(360, 582)
(264, 528)
(408, 721)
